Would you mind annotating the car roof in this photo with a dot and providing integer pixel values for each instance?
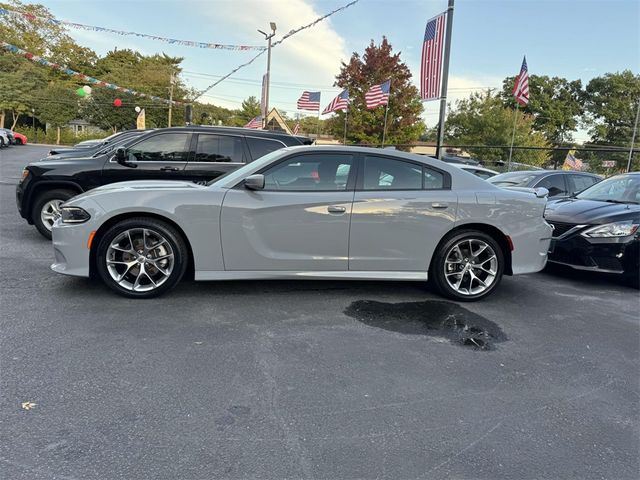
(238, 130)
(545, 172)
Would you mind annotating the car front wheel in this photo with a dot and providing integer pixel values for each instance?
(468, 266)
(141, 257)
(46, 209)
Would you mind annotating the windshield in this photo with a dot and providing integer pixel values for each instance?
(512, 179)
(618, 189)
(239, 173)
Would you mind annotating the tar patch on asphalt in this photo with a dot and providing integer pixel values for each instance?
(432, 318)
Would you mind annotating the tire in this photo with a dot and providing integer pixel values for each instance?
(48, 201)
(452, 261)
(132, 272)
(18, 141)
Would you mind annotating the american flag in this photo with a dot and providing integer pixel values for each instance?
(309, 101)
(255, 123)
(571, 162)
(296, 128)
(431, 66)
(521, 87)
(341, 102)
(378, 95)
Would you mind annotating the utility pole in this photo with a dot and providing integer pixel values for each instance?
(445, 79)
(268, 38)
(171, 81)
(633, 137)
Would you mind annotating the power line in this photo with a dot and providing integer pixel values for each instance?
(290, 34)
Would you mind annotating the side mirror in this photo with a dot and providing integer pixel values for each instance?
(254, 182)
(121, 155)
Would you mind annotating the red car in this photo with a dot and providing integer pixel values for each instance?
(20, 139)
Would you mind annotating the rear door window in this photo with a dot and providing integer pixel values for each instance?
(577, 183)
(261, 146)
(555, 184)
(219, 148)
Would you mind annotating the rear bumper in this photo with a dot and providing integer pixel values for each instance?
(619, 255)
(530, 248)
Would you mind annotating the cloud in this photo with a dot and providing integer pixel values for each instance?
(314, 53)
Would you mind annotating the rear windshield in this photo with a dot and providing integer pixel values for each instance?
(512, 179)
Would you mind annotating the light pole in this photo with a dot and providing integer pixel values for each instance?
(268, 38)
(171, 82)
(633, 137)
(33, 123)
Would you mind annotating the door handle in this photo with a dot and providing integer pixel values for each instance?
(439, 205)
(169, 169)
(336, 209)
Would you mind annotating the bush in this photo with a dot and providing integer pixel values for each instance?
(67, 137)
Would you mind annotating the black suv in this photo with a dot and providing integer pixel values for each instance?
(198, 154)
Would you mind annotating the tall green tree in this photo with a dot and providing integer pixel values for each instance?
(377, 65)
(611, 103)
(20, 81)
(99, 109)
(483, 120)
(250, 109)
(57, 105)
(555, 103)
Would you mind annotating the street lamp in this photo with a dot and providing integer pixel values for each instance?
(268, 38)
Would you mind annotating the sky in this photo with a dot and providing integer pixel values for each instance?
(575, 39)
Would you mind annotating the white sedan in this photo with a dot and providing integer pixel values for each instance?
(307, 212)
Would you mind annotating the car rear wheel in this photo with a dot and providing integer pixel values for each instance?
(141, 257)
(46, 209)
(468, 266)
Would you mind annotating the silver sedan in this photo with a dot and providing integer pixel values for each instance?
(307, 212)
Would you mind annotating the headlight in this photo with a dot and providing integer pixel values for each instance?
(25, 174)
(74, 215)
(616, 229)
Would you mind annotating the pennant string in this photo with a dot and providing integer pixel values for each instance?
(81, 76)
(80, 26)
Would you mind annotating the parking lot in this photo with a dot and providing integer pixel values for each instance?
(310, 379)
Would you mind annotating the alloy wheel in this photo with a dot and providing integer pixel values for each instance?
(140, 259)
(470, 266)
(50, 212)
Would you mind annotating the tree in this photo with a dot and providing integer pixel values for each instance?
(250, 109)
(100, 110)
(555, 103)
(377, 65)
(483, 120)
(57, 105)
(19, 81)
(611, 103)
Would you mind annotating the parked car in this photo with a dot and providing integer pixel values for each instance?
(4, 139)
(20, 139)
(460, 160)
(10, 135)
(560, 183)
(598, 228)
(98, 148)
(82, 147)
(481, 172)
(307, 212)
(197, 154)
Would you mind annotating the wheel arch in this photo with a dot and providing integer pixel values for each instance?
(124, 216)
(41, 187)
(490, 230)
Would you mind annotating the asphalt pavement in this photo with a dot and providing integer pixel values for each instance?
(310, 379)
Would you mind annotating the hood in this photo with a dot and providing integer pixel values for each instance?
(147, 185)
(590, 212)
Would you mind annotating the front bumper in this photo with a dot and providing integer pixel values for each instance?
(615, 255)
(72, 255)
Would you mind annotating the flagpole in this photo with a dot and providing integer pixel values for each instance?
(318, 130)
(384, 129)
(513, 136)
(633, 137)
(445, 80)
(346, 114)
